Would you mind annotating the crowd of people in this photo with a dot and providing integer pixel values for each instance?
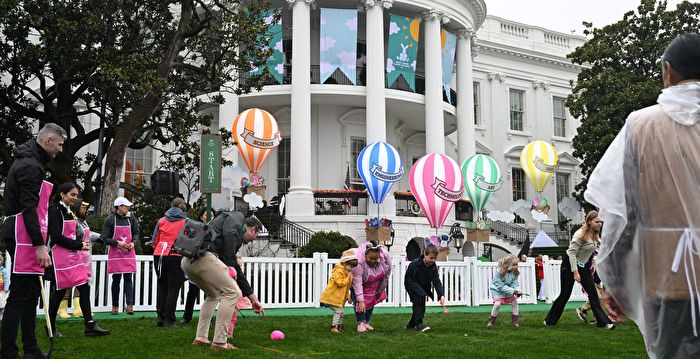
(645, 187)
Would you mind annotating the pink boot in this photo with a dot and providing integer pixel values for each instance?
(516, 321)
(361, 327)
(491, 321)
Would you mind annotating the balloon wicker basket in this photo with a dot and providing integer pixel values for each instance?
(379, 234)
(477, 235)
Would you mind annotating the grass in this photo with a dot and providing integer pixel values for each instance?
(461, 333)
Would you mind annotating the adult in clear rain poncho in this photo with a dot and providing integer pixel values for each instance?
(650, 255)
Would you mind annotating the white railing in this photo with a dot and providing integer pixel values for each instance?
(552, 281)
(556, 40)
(298, 282)
(515, 30)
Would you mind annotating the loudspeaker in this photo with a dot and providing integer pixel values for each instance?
(165, 183)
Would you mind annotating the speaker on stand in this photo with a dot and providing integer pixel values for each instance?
(165, 183)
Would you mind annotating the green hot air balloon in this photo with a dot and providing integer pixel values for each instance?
(481, 177)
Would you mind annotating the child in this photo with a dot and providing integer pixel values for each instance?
(243, 302)
(504, 288)
(337, 291)
(4, 285)
(421, 276)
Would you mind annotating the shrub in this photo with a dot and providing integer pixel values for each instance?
(333, 243)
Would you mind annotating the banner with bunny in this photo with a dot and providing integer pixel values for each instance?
(403, 50)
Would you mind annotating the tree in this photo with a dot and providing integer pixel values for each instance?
(146, 62)
(622, 73)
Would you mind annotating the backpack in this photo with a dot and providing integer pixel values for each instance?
(194, 240)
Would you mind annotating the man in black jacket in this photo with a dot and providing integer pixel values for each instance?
(210, 273)
(26, 200)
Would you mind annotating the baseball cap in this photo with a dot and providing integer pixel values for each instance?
(122, 201)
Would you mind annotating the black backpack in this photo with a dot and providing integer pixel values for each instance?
(194, 240)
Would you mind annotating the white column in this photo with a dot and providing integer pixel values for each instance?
(465, 97)
(375, 100)
(300, 199)
(434, 119)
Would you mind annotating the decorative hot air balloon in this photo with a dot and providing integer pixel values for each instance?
(539, 160)
(436, 183)
(256, 133)
(481, 177)
(380, 166)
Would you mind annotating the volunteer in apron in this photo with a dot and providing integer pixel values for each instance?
(24, 235)
(119, 231)
(69, 247)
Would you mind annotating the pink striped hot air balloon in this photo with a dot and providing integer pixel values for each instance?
(436, 183)
(256, 133)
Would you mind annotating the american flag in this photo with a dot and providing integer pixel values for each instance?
(346, 185)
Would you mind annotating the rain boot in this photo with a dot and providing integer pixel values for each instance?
(63, 309)
(491, 321)
(94, 330)
(516, 320)
(77, 312)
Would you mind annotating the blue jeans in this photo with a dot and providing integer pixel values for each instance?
(128, 288)
(361, 317)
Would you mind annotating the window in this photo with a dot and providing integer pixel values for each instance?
(519, 191)
(356, 146)
(559, 113)
(563, 190)
(517, 100)
(477, 95)
(283, 162)
(138, 166)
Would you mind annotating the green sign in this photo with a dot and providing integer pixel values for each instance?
(210, 164)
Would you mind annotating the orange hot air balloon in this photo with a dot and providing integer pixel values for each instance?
(256, 133)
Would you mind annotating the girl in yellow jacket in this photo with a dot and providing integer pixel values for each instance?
(337, 291)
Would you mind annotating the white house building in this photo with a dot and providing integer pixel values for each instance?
(509, 82)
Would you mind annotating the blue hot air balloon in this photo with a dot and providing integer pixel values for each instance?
(380, 166)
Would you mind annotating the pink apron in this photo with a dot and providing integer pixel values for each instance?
(25, 261)
(369, 289)
(68, 265)
(121, 260)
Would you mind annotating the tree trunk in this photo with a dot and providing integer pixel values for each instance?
(140, 113)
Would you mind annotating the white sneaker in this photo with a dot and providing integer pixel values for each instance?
(610, 326)
(425, 329)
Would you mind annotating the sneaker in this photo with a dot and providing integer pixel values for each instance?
(609, 326)
(361, 327)
(582, 315)
(369, 327)
(334, 329)
(422, 328)
(130, 309)
(115, 310)
(546, 324)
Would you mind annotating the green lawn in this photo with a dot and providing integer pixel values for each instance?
(459, 334)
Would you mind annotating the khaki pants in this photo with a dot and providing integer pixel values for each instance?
(211, 275)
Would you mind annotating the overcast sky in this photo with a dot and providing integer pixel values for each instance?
(564, 15)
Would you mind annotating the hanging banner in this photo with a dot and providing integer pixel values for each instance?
(210, 164)
(338, 43)
(403, 50)
(448, 44)
(275, 63)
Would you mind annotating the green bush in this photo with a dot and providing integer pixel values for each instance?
(333, 243)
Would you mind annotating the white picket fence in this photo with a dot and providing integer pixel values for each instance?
(298, 282)
(552, 281)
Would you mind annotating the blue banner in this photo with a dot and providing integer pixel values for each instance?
(275, 63)
(338, 43)
(449, 43)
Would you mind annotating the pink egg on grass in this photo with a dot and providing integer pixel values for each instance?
(276, 335)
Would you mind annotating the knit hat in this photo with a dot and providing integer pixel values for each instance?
(348, 255)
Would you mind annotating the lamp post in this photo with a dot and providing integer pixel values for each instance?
(390, 242)
(457, 236)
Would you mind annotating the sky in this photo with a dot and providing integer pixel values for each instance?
(564, 15)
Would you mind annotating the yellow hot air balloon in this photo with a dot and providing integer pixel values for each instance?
(539, 160)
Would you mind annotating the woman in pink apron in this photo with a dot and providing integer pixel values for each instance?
(68, 251)
(119, 231)
(369, 282)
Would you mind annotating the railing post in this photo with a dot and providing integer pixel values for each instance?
(467, 271)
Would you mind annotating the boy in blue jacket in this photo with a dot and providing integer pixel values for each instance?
(421, 277)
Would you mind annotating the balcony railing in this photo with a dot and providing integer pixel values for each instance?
(406, 206)
(341, 203)
(339, 78)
